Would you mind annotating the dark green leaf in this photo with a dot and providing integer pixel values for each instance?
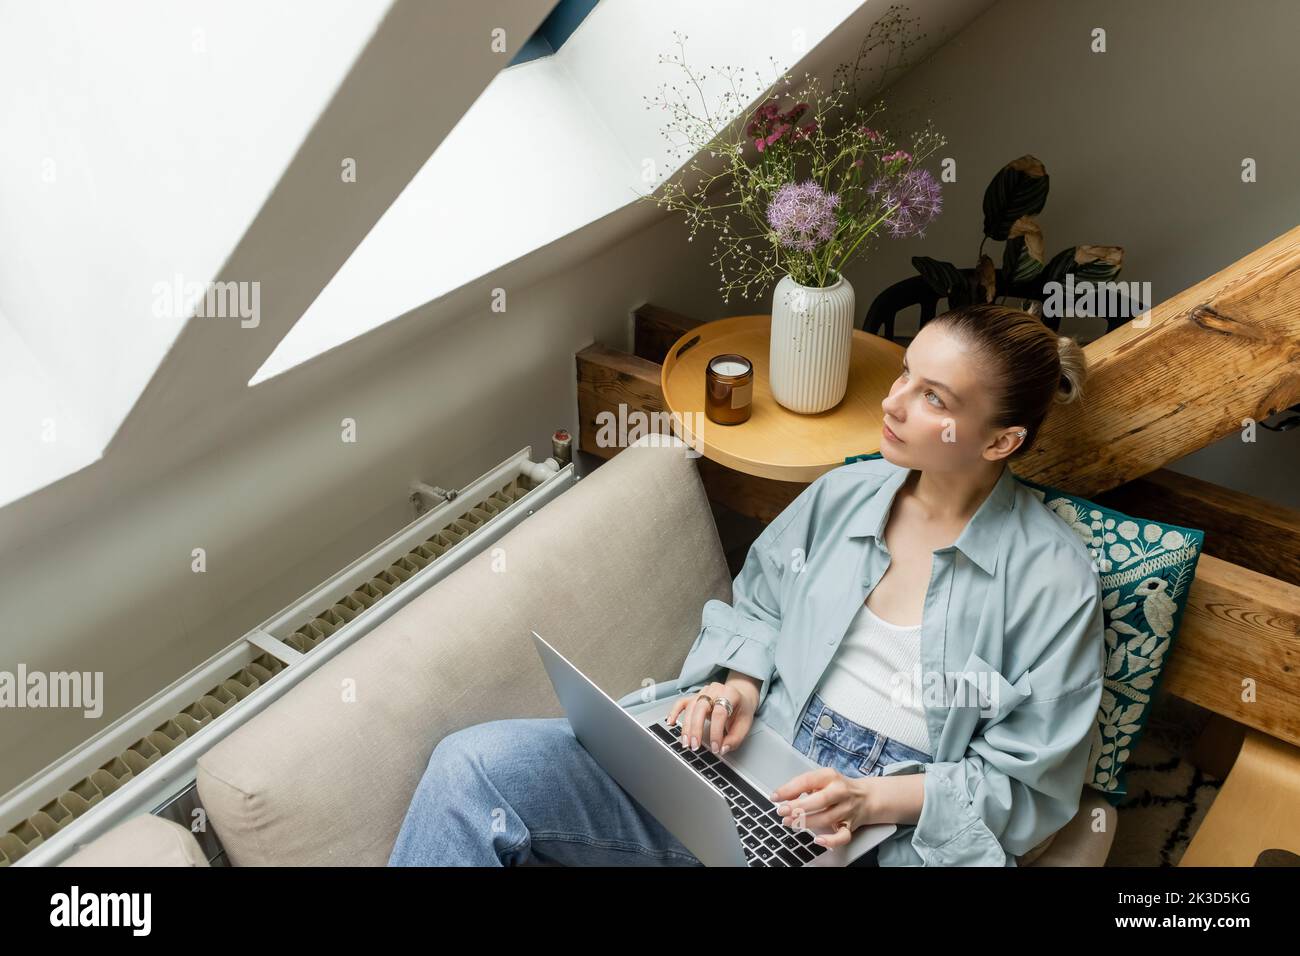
(941, 277)
(1098, 263)
(1059, 265)
(1018, 189)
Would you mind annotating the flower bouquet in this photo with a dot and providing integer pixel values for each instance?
(797, 188)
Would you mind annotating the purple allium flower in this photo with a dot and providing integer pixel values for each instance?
(915, 197)
(803, 215)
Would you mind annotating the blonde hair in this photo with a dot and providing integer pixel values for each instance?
(1032, 366)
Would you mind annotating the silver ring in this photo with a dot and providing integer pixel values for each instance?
(726, 704)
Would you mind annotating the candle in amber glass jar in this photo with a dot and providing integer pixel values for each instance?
(729, 389)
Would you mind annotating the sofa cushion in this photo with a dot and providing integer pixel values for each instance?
(613, 573)
(1084, 841)
(1033, 853)
(145, 840)
(1146, 571)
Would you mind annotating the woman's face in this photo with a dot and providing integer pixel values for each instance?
(939, 407)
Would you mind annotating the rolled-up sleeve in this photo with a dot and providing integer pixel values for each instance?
(1024, 772)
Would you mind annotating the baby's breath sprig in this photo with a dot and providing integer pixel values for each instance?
(788, 176)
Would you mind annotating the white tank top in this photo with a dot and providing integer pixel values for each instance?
(860, 680)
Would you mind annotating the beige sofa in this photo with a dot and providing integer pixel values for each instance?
(614, 572)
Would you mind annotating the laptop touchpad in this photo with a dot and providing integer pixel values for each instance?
(767, 758)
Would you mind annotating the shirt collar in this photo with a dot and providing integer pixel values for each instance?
(978, 540)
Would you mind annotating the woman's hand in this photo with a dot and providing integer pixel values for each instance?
(724, 735)
(819, 799)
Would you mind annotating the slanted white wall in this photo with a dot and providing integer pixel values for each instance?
(45, 435)
(550, 146)
(522, 168)
(139, 141)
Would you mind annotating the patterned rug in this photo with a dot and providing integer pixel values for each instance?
(1168, 796)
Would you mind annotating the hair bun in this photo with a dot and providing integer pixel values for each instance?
(1073, 370)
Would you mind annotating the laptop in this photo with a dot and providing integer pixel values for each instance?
(717, 806)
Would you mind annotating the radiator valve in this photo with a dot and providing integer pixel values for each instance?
(423, 496)
(562, 446)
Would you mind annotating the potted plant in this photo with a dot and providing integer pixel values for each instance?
(804, 183)
(1015, 195)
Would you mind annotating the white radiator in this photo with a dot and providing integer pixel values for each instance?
(147, 759)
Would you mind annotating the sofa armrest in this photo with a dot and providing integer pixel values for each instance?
(614, 573)
(145, 840)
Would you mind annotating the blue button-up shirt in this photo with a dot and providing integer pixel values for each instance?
(1012, 654)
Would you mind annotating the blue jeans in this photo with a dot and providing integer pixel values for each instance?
(831, 739)
(525, 792)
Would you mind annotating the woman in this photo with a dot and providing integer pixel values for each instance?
(948, 684)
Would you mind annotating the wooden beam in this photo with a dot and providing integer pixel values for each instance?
(1240, 638)
(1225, 350)
(1240, 528)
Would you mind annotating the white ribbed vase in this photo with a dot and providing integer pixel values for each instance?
(812, 340)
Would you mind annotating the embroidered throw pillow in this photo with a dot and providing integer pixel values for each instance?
(1146, 570)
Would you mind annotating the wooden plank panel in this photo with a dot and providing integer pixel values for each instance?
(613, 382)
(654, 330)
(1240, 528)
(1240, 626)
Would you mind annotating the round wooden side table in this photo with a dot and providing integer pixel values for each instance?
(776, 442)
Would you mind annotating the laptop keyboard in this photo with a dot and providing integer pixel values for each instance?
(767, 841)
